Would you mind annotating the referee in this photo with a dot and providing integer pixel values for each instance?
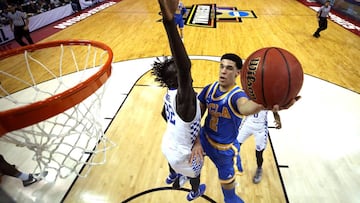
(19, 24)
(322, 15)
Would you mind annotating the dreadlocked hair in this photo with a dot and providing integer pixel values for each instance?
(159, 69)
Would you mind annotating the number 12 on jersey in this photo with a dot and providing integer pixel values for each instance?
(170, 115)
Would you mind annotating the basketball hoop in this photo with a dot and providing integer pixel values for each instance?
(50, 103)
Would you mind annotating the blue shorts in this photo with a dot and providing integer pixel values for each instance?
(179, 20)
(223, 159)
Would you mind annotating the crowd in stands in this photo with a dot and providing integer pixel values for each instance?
(33, 7)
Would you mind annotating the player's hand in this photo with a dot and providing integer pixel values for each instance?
(277, 108)
(197, 153)
(277, 124)
(277, 120)
(292, 102)
(168, 8)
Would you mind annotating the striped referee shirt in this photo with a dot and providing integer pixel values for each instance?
(324, 11)
(17, 18)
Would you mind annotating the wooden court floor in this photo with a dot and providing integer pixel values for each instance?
(132, 30)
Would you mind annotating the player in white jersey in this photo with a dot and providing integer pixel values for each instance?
(180, 145)
(179, 138)
(257, 125)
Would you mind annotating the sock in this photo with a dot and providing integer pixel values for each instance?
(24, 176)
(230, 196)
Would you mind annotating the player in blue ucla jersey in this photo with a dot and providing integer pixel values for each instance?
(180, 144)
(226, 104)
(179, 21)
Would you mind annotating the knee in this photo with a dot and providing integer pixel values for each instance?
(228, 186)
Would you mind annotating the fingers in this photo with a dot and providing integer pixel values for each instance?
(292, 102)
(168, 8)
(197, 156)
(276, 108)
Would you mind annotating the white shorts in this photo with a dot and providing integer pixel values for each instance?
(261, 136)
(178, 157)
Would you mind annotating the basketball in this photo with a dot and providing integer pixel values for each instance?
(272, 76)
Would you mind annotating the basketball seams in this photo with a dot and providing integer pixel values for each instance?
(263, 78)
(289, 75)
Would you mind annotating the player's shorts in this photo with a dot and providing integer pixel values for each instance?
(179, 20)
(260, 134)
(223, 157)
(178, 157)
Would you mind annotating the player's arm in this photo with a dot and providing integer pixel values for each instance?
(186, 97)
(277, 120)
(163, 113)
(197, 151)
(203, 109)
(178, 50)
(201, 97)
(248, 107)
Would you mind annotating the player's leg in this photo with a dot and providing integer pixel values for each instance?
(172, 175)
(258, 173)
(180, 24)
(261, 138)
(196, 189)
(172, 158)
(227, 172)
(224, 162)
(10, 170)
(244, 133)
(230, 194)
(189, 171)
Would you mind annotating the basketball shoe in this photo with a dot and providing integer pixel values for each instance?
(32, 179)
(193, 195)
(257, 176)
(171, 178)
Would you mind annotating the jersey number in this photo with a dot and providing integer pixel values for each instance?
(214, 123)
(170, 115)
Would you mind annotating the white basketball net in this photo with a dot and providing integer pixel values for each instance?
(70, 141)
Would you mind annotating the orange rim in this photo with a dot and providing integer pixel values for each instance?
(36, 112)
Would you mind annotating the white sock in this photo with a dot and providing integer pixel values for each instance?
(24, 176)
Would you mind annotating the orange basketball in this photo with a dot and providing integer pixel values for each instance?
(272, 76)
